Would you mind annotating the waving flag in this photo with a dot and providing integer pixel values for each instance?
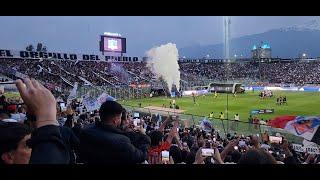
(303, 126)
(105, 97)
(206, 125)
(91, 104)
(73, 93)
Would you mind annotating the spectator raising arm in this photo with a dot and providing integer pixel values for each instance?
(164, 124)
(229, 148)
(46, 142)
(173, 132)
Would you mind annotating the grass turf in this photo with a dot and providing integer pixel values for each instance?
(299, 103)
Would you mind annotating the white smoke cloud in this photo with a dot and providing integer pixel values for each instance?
(163, 61)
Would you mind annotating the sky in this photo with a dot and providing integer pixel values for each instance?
(80, 34)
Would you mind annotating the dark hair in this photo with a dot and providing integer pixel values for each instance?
(124, 115)
(257, 156)
(4, 115)
(109, 109)
(20, 109)
(235, 156)
(68, 122)
(175, 153)
(83, 117)
(2, 98)
(11, 133)
(191, 156)
(156, 137)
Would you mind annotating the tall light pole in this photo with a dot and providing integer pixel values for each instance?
(226, 31)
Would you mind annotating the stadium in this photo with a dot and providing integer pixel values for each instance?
(132, 82)
(235, 96)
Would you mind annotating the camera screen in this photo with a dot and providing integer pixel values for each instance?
(207, 152)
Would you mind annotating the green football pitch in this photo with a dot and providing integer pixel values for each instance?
(299, 103)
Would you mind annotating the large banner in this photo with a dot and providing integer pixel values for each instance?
(273, 88)
(306, 127)
(262, 111)
(306, 148)
(196, 92)
(91, 104)
(4, 53)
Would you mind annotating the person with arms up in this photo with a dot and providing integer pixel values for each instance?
(158, 143)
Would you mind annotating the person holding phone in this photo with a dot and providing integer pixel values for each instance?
(104, 142)
(46, 142)
(158, 143)
(136, 136)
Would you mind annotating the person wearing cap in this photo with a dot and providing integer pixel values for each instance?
(104, 142)
(45, 146)
(13, 143)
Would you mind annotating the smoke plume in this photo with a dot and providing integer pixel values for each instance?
(163, 61)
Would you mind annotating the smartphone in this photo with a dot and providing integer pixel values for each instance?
(63, 106)
(214, 139)
(165, 156)
(236, 147)
(136, 115)
(275, 139)
(207, 152)
(242, 143)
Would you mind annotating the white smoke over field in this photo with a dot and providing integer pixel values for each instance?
(163, 61)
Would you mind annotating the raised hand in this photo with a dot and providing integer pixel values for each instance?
(199, 159)
(217, 156)
(39, 100)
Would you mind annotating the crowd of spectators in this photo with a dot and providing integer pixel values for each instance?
(64, 74)
(39, 131)
(299, 73)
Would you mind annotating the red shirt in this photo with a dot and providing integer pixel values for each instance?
(163, 147)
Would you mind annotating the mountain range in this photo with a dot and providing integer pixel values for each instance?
(286, 42)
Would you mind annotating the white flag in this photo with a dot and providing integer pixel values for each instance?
(73, 93)
(90, 103)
